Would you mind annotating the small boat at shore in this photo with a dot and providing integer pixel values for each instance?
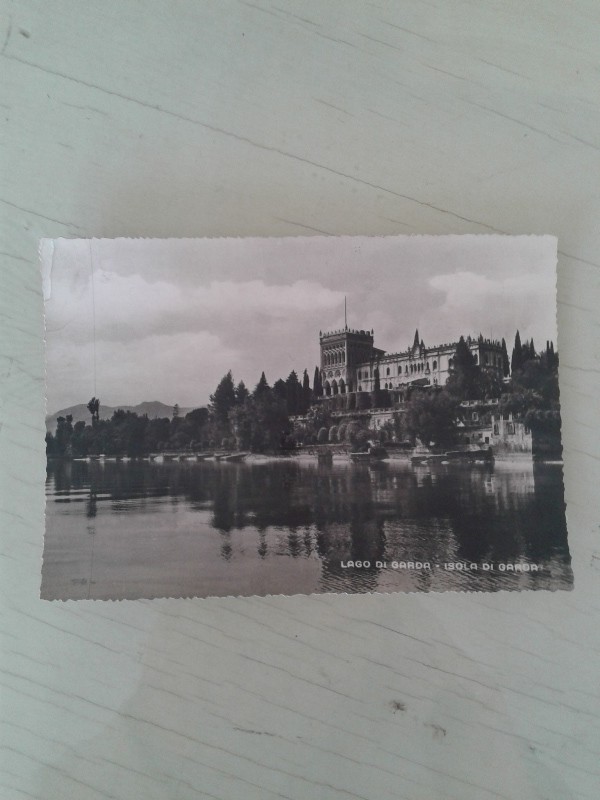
(360, 458)
(372, 455)
(475, 455)
(231, 457)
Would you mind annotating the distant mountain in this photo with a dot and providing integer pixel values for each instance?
(154, 409)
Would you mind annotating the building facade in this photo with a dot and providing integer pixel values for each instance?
(350, 362)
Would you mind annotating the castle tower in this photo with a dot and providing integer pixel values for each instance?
(341, 351)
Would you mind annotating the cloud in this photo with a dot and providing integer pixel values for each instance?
(497, 306)
(462, 289)
(172, 316)
(128, 307)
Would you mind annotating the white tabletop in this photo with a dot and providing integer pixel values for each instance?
(275, 118)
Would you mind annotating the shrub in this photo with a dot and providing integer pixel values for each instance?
(322, 436)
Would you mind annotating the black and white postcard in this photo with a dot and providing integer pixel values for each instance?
(302, 415)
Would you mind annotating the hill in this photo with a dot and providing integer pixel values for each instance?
(154, 409)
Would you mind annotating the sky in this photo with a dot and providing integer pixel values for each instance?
(133, 320)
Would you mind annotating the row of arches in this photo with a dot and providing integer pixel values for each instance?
(336, 387)
(331, 357)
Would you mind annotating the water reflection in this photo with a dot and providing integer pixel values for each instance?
(207, 528)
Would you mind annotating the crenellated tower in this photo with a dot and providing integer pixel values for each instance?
(341, 352)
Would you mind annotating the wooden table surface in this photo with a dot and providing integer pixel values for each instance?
(279, 117)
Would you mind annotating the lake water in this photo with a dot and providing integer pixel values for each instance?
(141, 529)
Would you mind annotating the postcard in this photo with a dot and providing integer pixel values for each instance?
(302, 415)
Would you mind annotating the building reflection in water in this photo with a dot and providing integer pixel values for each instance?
(346, 512)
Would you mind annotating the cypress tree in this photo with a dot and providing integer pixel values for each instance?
(262, 387)
(505, 361)
(516, 361)
(293, 391)
(306, 381)
(462, 381)
(317, 386)
(305, 392)
(241, 393)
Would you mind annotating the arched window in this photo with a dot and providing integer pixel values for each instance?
(334, 387)
(435, 364)
(387, 372)
(342, 386)
(327, 388)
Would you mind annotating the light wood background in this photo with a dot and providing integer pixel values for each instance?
(278, 117)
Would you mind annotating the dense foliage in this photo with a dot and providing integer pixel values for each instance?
(235, 418)
(271, 419)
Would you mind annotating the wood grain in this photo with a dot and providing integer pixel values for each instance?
(271, 118)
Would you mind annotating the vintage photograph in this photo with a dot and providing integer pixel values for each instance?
(302, 415)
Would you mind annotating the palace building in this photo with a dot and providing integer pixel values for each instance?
(350, 362)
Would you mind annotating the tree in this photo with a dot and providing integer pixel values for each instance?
(431, 417)
(80, 439)
(280, 389)
(262, 387)
(62, 439)
(261, 423)
(157, 433)
(175, 414)
(516, 360)
(293, 393)
(505, 361)
(195, 426)
(317, 384)
(222, 401)
(361, 441)
(462, 382)
(488, 384)
(548, 358)
(306, 392)
(94, 408)
(352, 429)
(241, 393)
(377, 384)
